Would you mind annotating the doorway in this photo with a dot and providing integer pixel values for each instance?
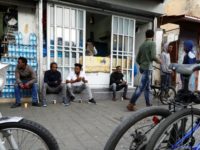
(174, 59)
(98, 30)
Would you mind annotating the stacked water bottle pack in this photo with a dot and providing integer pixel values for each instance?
(16, 50)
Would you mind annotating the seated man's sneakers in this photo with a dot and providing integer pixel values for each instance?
(92, 101)
(15, 105)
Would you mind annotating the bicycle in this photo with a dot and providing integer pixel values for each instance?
(17, 133)
(130, 128)
(164, 95)
(138, 127)
(180, 130)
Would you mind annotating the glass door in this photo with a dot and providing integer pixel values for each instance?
(122, 46)
(65, 37)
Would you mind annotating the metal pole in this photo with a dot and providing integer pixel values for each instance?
(40, 42)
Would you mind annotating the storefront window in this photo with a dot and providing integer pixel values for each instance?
(66, 15)
(123, 46)
(69, 37)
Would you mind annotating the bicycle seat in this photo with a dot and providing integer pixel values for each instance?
(184, 69)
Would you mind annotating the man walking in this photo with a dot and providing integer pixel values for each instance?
(166, 61)
(53, 84)
(145, 58)
(117, 83)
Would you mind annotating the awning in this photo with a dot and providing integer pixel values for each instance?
(179, 19)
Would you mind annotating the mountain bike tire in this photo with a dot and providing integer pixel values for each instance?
(30, 128)
(130, 121)
(169, 121)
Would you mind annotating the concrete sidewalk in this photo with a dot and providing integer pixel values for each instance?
(80, 126)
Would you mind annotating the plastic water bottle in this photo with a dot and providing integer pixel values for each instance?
(20, 38)
(17, 38)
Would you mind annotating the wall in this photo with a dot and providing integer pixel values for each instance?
(150, 5)
(26, 22)
(176, 7)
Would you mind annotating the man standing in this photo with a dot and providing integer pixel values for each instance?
(145, 57)
(53, 84)
(189, 58)
(117, 83)
(25, 79)
(166, 61)
(77, 82)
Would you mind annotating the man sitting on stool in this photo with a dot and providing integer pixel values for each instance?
(117, 83)
(53, 84)
(25, 79)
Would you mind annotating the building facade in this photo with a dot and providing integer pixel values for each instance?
(117, 28)
(57, 30)
(181, 22)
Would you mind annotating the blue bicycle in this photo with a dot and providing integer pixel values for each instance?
(181, 130)
(158, 128)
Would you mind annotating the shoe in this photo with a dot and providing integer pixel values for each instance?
(149, 105)
(66, 103)
(44, 104)
(92, 101)
(114, 99)
(35, 104)
(126, 98)
(15, 105)
(72, 98)
(131, 107)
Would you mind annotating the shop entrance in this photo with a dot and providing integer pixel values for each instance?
(98, 31)
(72, 34)
(97, 47)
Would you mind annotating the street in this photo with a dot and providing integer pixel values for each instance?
(81, 126)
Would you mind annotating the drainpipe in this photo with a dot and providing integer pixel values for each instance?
(40, 43)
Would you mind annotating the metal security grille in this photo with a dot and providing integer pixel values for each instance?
(122, 46)
(65, 37)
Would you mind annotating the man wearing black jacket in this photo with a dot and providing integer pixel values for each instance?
(53, 84)
(117, 83)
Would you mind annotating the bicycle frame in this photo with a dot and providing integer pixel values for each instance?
(187, 135)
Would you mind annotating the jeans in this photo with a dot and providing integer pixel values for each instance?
(59, 89)
(143, 86)
(165, 81)
(114, 87)
(34, 89)
(78, 89)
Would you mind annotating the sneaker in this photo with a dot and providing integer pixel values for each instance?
(131, 107)
(15, 105)
(35, 104)
(44, 104)
(114, 99)
(92, 101)
(126, 98)
(66, 103)
(149, 105)
(72, 98)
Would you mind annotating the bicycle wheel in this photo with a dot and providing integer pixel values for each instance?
(26, 135)
(167, 96)
(133, 132)
(180, 131)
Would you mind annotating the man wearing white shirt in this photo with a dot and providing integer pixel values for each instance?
(77, 82)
